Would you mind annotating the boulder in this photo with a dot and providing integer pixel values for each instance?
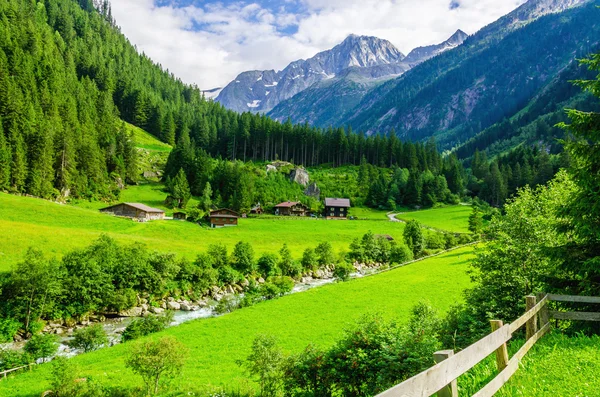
(245, 283)
(271, 168)
(144, 307)
(157, 310)
(133, 312)
(202, 303)
(163, 305)
(185, 306)
(300, 176)
(313, 191)
(173, 305)
(261, 280)
(59, 331)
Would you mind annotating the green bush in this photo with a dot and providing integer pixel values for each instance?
(400, 254)
(343, 270)
(41, 346)
(228, 275)
(8, 329)
(89, 338)
(146, 326)
(276, 287)
(435, 241)
(268, 265)
(12, 359)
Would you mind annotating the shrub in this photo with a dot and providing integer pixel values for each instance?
(325, 254)
(413, 236)
(267, 265)
(156, 359)
(146, 326)
(289, 267)
(276, 287)
(242, 258)
(12, 359)
(90, 338)
(229, 303)
(400, 254)
(435, 241)
(41, 346)
(228, 275)
(310, 261)
(343, 270)
(8, 329)
(451, 240)
(266, 364)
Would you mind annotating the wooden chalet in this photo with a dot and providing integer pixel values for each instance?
(291, 208)
(136, 211)
(336, 208)
(180, 215)
(223, 218)
(256, 210)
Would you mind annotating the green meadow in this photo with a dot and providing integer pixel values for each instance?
(316, 316)
(451, 218)
(57, 229)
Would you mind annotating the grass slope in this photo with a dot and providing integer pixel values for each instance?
(557, 365)
(144, 140)
(452, 218)
(57, 229)
(316, 316)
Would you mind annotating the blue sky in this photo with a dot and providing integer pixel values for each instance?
(209, 42)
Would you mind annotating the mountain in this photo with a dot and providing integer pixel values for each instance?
(421, 54)
(492, 76)
(322, 103)
(261, 91)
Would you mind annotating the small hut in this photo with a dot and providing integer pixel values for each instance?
(223, 218)
(180, 215)
(136, 211)
(336, 208)
(291, 208)
(384, 236)
(256, 210)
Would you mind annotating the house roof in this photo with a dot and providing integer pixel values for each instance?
(337, 202)
(287, 204)
(139, 206)
(224, 216)
(232, 213)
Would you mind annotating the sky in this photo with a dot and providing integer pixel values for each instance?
(208, 43)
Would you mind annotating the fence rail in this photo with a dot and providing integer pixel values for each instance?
(441, 378)
(4, 374)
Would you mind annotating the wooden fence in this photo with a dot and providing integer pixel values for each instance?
(4, 374)
(441, 378)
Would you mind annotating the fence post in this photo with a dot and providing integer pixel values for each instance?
(544, 317)
(450, 390)
(502, 351)
(531, 327)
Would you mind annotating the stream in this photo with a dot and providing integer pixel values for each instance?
(114, 327)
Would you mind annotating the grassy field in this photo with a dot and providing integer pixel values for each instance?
(557, 365)
(452, 218)
(144, 140)
(57, 229)
(316, 316)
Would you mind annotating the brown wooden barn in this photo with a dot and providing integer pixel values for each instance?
(180, 215)
(336, 208)
(136, 211)
(223, 218)
(291, 208)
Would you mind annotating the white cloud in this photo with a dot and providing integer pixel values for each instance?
(210, 45)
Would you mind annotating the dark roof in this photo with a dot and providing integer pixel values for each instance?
(337, 202)
(385, 236)
(287, 204)
(141, 207)
(224, 216)
(233, 213)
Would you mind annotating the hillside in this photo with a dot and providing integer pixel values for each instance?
(56, 229)
(297, 320)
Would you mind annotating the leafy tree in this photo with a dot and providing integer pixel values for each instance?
(146, 326)
(324, 252)
(41, 346)
(413, 235)
(36, 283)
(157, 359)
(89, 338)
(310, 260)
(579, 257)
(343, 270)
(265, 363)
(179, 190)
(287, 264)
(242, 258)
(268, 265)
(475, 221)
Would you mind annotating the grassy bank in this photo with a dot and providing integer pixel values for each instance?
(453, 218)
(316, 316)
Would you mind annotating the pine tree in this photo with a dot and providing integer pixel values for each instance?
(18, 164)
(180, 190)
(5, 160)
(206, 199)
